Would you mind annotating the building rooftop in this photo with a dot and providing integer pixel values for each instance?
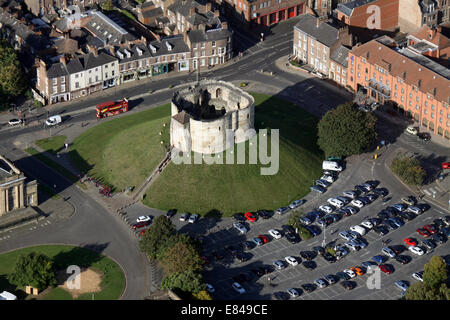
(196, 36)
(340, 55)
(325, 33)
(347, 8)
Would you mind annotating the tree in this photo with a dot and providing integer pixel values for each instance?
(158, 237)
(188, 280)
(34, 269)
(107, 5)
(12, 79)
(181, 256)
(408, 169)
(346, 130)
(434, 285)
(202, 295)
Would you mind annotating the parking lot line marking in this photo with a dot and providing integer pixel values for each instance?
(427, 192)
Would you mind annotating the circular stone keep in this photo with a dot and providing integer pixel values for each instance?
(210, 116)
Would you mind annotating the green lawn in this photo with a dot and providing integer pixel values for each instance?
(113, 279)
(52, 144)
(236, 188)
(124, 151)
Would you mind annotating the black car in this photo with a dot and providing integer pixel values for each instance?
(239, 217)
(308, 287)
(263, 214)
(292, 237)
(329, 257)
(373, 183)
(171, 213)
(382, 192)
(439, 237)
(381, 230)
(424, 136)
(429, 244)
(307, 255)
(319, 250)
(360, 189)
(288, 229)
(318, 189)
(349, 285)
(390, 225)
(407, 215)
(343, 275)
(259, 272)
(268, 268)
(218, 255)
(423, 206)
(280, 295)
(403, 259)
(392, 212)
(247, 245)
(309, 265)
(242, 256)
(439, 223)
(375, 221)
(383, 215)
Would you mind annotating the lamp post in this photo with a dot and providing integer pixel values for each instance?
(324, 236)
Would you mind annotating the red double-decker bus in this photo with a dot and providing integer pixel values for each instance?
(111, 108)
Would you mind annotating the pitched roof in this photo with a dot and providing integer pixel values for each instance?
(196, 36)
(340, 55)
(182, 117)
(325, 33)
(414, 67)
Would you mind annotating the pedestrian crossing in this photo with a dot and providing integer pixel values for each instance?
(433, 191)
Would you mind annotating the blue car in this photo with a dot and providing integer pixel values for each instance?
(379, 259)
(313, 229)
(318, 189)
(315, 214)
(398, 222)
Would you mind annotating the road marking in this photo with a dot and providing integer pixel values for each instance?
(427, 192)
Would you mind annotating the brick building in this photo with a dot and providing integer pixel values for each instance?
(42, 7)
(417, 86)
(418, 13)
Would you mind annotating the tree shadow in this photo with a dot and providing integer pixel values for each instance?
(83, 257)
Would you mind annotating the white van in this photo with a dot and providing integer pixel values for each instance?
(359, 230)
(53, 120)
(331, 165)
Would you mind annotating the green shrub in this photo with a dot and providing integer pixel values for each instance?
(243, 84)
(408, 170)
(38, 104)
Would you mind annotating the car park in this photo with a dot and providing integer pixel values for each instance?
(321, 283)
(144, 218)
(240, 227)
(357, 203)
(318, 189)
(418, 276)
(296, 204)
(323, 183)
(402, 285)
(360, 230)
(291, 260)
(279, 265)
(282, 210)
(184, 216)
(386, 268)
(193, 218)
(292, 292)
(416, 250)
(170, 213)
(236, 286)
(250, 217)
(275, 233)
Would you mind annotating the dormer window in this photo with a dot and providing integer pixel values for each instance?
(128, 53)
(119, 54)
(152, 48)
(139, 51)
(169, 46)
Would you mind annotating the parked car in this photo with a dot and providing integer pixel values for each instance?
(403, 259)
(410, 201)
(336, 202)
(345, 234)
(330, 279)
(369, 265)
(403, 285)
(247, 245)
(240, 227)
(140, 225)
(389, 252)
(144, 218)
(386, 268)
(171, 212)
(399, 206)
(313, 230)
(306, 220)
(263, 214)
(410, 241)
(292, 237)
(352, 245)
(193, 218)
(291, 260)
(307, 255)
(210, 288)
(327, 178)
(411, 130)
(381, 230)
(360, 189)
(429, 244)
(326, 209)
(329, 257)
(239, 217)
(350, 209)
(318, 189)
(382, 192)
(406, 215)
(350, 273)
(430, 228)
(309, 265)
(308, 287)
(358, 271)
(424, 136)
(296, 204)
(397, 221)
(350, 194)
(367, 224)
(321, 283)
(250, 217)
(379, 259)
(279, 265)
(360, 230)
(418, 276)
(416, 250)
(323, 183)
(292, 292)
(14, 122)
(345, 200)
(236, 286)
(442, 236)
(423, 232)
(184, 216)
(282, 210)
(357, 203)
(275, 233)
(263, 238)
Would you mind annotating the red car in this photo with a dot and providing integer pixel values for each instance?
(423, 232)
(385, 268)
(410, 241)
(445, 165)
(263, 238)
(249, 216)
(431, 229)
(140, 225)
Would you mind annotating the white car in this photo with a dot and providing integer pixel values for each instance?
(336, 202)
(193, 218)
(282, 210)
(143, 218)
(275, 233)
(296, 203)
(350, 194)
(210, 288)
(291, 260)
(240, 227)
(416, 250)
(360, 230)
(326, 209)
(14, 122)
(352, 245)
(389, 252)
(329, 179)
(418, 276)
(292, 292)
(411, 130)
(414, 209)
(236, 286)
(357, 203)
(184, 216)
(367, 224)
(321, 283)
(350, 273)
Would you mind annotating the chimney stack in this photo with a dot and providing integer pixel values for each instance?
(208, 7)
(317, 22)
(63, 59)
(185, 36)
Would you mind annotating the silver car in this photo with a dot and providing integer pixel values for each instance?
(321, 283)
(389, 252)
(418, 276)
(350, 194)
(279, 265)
(403, 285)
(292, 292)
(240, 227)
